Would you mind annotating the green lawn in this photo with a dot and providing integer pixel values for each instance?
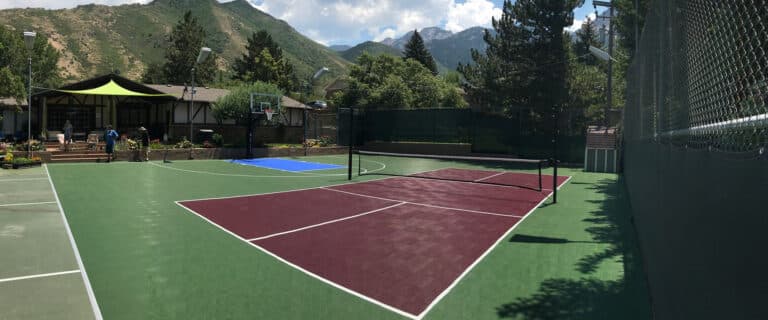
(148, 258)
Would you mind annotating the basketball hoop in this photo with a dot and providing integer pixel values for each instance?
(269, 114)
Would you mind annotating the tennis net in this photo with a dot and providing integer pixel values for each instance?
(523, 173)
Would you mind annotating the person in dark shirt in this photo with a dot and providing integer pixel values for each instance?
(144, 143)
(109, 137)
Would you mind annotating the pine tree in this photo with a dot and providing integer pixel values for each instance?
(587, 36)
(186, 39)
(264, 61)
(415, 49)
(526, 61)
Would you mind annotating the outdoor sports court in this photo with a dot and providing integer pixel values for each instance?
(399, 242)
(217, 239)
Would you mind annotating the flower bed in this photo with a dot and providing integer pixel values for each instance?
(11, 162)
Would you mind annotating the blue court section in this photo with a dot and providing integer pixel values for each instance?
(286, 164)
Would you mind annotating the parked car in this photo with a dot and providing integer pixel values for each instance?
(318, 105)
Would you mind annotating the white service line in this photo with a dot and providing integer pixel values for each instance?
(423, 204)
(26, 204)
(477, 261)
(42, 275)
(307, 272)
(490, 177)
(327, 222)
(88, 288)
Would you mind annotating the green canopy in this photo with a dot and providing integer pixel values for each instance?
(113, 89)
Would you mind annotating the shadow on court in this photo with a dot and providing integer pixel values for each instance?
(589, 297)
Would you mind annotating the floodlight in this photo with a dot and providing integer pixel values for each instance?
(29, 39)
(204, 52)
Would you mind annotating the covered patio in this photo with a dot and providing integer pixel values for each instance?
(93, 104)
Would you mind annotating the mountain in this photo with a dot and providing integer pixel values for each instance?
(427, 34)
(340, 47)
(371, 47)
(447, 48)
(96, 39)
(457, 48)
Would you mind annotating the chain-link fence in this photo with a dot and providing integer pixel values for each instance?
(486, 133)
(322, 127)
(696, 134)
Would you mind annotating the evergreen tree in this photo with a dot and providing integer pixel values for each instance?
(264, 61)
(415, 49)
(186, 39)
(14, 64)
(526, 62)
(586, 36)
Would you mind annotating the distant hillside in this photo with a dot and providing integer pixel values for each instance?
(371, 47)
(447, 48)
(95, 39)
(340, 47)
(457, 48)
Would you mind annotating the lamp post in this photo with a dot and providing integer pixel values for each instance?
(609, 88)
(317, 74)
(204, 52)
(29, 41)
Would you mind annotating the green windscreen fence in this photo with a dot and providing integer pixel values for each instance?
(696, 164)
(485, 133)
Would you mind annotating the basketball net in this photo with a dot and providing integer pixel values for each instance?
(269, 114)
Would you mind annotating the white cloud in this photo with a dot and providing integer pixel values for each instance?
(578, 23)
(343, 21)
(472, 13)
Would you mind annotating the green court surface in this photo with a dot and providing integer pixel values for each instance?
(39, 274)
(147, 258)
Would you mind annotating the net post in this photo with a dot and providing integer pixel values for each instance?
(351, 143)
(555, 111)
(541, 185)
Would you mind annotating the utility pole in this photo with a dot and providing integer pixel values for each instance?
(609, 88)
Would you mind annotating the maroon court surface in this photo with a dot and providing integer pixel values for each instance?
(399, 241)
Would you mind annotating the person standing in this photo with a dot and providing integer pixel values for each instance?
(144, 143)
(109, 137)
(67, 134)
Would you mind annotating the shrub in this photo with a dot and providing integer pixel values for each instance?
(36, 146)
(21, 161)
(218, 139)
(131, 144)
(325, 141)
(183, 144)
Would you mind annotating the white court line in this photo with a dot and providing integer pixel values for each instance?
(490, 177)
(477, 261)
(350, 291)
(42, 275)
(91, 296)
(423, 204)
(26, 179)
(26, 204)
(327, 222)
(305, 175)
(307, 272)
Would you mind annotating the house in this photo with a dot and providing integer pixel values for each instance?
(91, 105)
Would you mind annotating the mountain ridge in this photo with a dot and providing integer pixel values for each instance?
(97, 39)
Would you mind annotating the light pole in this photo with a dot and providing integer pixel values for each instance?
(317, 74)
(609, 89)
(204, 52)
(29, 41)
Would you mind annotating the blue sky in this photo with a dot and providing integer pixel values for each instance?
(352, 21)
